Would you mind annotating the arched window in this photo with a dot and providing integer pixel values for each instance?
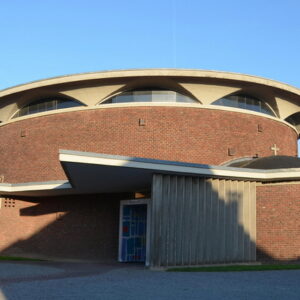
(294, 119)
(150, 95)
(245, 102)
(46, 104)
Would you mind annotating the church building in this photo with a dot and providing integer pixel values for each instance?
(166, 167)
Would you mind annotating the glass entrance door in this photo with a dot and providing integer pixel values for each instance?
(133, 232)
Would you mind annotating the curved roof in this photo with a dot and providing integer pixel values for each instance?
(270, 162)
(150, 73)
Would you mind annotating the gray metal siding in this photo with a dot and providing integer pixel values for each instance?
(197, 220)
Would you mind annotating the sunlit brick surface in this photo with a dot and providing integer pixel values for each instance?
(278, 222)
(29, 148)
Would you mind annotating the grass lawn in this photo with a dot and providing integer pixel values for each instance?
(13, 258)
(236, 268)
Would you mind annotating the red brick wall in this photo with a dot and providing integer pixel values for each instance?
(278, 222)
(86, 227)
(68, 227)
(170, 133)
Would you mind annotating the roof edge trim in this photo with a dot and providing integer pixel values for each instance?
(172, 167)
(150, 72)
(34, 186)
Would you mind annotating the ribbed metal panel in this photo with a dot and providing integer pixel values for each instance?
(197, 221)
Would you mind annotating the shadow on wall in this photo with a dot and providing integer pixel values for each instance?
(69, 227)
(187, 228)
(201, 221)
(198, 221)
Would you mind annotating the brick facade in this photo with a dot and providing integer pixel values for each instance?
(29, 148)
(278, 222)
(68, 227)
(86, 226)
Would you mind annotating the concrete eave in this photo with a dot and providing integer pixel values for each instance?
(170, 167)
(101, 173)
(46, 188)
(150, 73)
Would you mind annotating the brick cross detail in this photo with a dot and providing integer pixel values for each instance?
(275, 149)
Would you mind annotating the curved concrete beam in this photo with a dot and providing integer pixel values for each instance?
(150, 73)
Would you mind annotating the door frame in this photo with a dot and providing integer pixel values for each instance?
(135, 202)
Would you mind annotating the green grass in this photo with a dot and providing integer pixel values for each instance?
(236, 268)
(14, 258)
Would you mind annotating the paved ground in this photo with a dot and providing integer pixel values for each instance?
(48, 280)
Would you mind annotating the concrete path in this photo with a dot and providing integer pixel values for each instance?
(48, 280)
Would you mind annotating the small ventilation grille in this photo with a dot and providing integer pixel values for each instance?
(8, 203)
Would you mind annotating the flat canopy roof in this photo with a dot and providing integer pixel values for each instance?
(101, 173)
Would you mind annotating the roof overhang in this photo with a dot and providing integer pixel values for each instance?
(115, 74)
(46, 188)
(75, 161)
(101, 173)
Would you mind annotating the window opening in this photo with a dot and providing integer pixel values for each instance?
(150, 95)
(245, 102)
(46, 104)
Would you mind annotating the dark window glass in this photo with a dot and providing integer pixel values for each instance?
(46, 105)
(42, 106)
(245, 102)
(62, 103)
(294, 119)
(152, 95)
(23, 112)
(33, 109)
(50, 105)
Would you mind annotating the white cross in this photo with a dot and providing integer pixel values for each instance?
(275, 149)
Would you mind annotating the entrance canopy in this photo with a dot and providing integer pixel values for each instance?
(101, 173)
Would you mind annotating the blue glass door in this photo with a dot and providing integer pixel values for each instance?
(133, 238)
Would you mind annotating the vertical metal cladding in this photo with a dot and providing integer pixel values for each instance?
(198, 220)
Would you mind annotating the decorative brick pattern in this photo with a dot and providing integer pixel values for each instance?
(278, 222)
(170, 133)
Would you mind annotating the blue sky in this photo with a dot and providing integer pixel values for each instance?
(41, 39)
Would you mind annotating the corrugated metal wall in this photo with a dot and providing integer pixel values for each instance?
(198, 220)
